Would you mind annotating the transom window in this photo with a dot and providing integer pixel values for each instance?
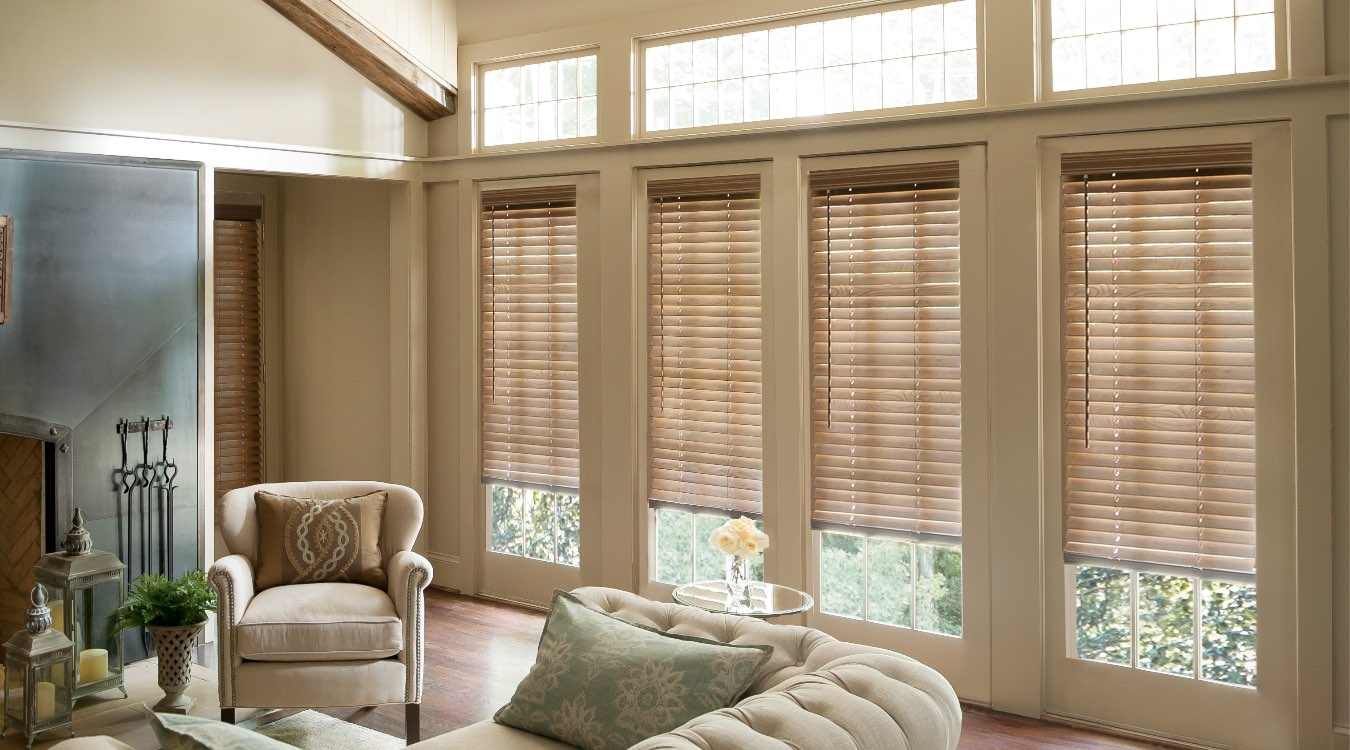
(1099, 43)
(913, 54)
(550, 99)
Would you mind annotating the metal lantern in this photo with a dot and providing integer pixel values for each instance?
(39, 675)
(86, 586)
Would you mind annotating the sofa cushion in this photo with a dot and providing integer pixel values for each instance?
(176, 732)
(304, 540)
(319, 622)
(603, 684)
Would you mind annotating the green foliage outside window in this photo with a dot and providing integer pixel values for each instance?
(1165, 623)
(908, 584)
(537, 524)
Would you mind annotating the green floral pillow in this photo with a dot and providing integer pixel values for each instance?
(604, 684)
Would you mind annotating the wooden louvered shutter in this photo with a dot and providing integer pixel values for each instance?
(239, 348)
(886, 350)
(528, 264)
(704, 370)
(1159, 358)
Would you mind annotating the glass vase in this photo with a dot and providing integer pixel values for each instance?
(738, 576)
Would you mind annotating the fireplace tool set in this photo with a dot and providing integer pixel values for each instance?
(145, 490)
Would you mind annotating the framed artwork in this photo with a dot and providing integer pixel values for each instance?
(6, 264)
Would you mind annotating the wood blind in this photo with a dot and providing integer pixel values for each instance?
(704, 366)
(886, 349)
(528, 243)
(239, 347)
(1159, 358)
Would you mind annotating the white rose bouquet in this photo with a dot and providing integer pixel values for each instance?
(739, 537)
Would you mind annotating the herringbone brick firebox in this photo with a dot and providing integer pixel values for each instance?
(21, 506)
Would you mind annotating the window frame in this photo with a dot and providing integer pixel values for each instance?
(646, 551)
(963, 660)
(501, 575)
(642, 43)
(482, 67)
(1142, 700)
(1045, 65)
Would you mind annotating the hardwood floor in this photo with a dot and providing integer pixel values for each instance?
(477, 651)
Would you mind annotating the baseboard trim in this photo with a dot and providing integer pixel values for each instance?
(1130, 733)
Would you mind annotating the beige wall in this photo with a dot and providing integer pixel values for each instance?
(334, 247)
(218, 69)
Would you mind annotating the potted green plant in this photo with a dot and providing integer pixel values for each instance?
(174, 610)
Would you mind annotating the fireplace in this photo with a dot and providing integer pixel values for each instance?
(104, 330)
(33, 457)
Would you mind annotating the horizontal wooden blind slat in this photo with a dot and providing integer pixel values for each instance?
(704, 344)
(1159, 402)
(238, 371)
(886, 349)
(528, 317)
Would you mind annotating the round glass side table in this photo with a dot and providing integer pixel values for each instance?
(760, 599)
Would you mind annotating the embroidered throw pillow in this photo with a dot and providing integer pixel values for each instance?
(313, 541)
(604, 684)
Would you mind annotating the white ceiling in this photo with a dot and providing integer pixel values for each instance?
(486, 20)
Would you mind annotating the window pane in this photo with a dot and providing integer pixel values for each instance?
(539, 540)
(937, 589)
(658, 110)
(508, 520)
(1103, 614)
(1255, 43)
(538, 101)
(1228, 628)
(586, 122)
(569, 529)
(1167, 623)
(1139, 56)
(841, 574)
(835, 63)
(1164, 40)
(889, 583)
(709, 562)
(674, 546)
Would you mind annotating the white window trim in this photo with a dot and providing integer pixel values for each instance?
(1045, 67)
(964, 660)
(480, 70)
(1148, 702)
(639, 73)
(648, 586)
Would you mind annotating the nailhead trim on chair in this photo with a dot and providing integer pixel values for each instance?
(412, 692)
(228, 587)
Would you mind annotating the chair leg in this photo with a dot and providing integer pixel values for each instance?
(227, 715)
(412, 720)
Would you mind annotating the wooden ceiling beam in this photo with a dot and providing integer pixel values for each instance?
(356, 44)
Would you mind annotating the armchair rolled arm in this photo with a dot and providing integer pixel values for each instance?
(232, 578)
(409, 576)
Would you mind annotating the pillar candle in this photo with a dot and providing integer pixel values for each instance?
(93, 665)
(46, 700)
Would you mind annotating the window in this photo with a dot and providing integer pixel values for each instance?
(1098, 43)
(915, 54)
(237, 272)
(548, 100)
(886, 393)
(530, 452)
(1159, 409)
(704, 366)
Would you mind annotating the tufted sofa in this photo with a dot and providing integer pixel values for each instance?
(815, 692)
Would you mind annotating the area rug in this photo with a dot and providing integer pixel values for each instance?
(312, 730)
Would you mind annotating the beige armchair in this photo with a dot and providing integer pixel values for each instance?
(317, 645)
